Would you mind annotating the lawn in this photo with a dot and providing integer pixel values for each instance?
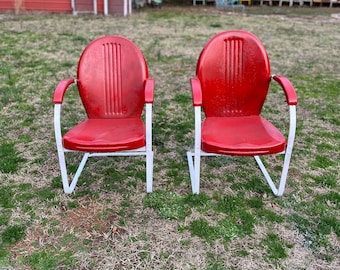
(110, 222)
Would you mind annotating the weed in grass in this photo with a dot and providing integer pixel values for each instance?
(173, 206)
(6, 197)
(201, 228)
(324, 147)
(80, 39)
(10, 94)
(83, 193)
(316, 230)
(12, 234)
(5, 256)
(56, 183)
(322, 162)
(86, 178)
(326, 257)
(327, 179)
(42, 260)
(275, 247)
(215, 262)
(270, 216)
(216, 25)
(177, 175)
(231, 228)
(229, 204)
(122, 222)
(72, 205)
(10, 158)
(144, 255)
(69, 240)
(327, 135)
(168, 205)
(332, 197)
(4, 218)
(125, 212)
(200, 201)
(243, 253)
(183, 99)
(25, 196)
(45, 194)
(328, 224)
(113, 179)
(255, 184)
(226, 229)
(313, 239)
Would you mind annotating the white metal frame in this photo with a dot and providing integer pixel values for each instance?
(127, 8)
(228, 4)
(269, 1)
(194, 157)
(291, 2)
(75, 12)
(144, 151)
(106, 8)
(194, 2)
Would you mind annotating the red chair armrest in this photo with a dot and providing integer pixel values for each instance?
(288, 88)
(60, 90)
(196, 91)
(149, 90)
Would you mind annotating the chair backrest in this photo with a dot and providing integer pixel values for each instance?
(234, 72)
(111, 78)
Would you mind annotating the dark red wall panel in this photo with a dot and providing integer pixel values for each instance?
(38, 5)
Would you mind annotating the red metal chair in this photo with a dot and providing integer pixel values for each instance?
(113, 84)
(231, 84)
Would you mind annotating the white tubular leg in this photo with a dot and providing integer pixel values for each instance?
(81, 166)
(149, 171)
(195, 167)
(149, 152)
(288, 154)
(191, 167)
(289, 149)
(266, 175)
(68, 187)
(60, 148)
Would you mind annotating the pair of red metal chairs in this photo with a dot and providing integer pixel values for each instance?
(231, 85)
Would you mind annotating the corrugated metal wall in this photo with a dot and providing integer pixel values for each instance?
(114, 6)
(119, 7)
(6, 5)
(84, 5)
(87, 5)
(38, 5)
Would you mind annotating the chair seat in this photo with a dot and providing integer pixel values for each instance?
(242, 136)
(106, 135)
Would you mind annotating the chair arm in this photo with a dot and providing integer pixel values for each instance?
(196, 91)
(149, 90)
(288, 89)
(60, 90)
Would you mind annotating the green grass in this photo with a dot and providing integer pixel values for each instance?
(274, 247)
(10, 158)
(45, 260)
(12, 234)
(110, 222)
